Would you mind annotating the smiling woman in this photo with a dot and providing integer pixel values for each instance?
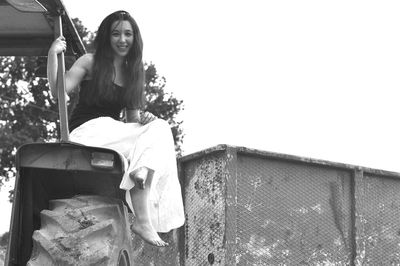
(109, 81)
(121, 37)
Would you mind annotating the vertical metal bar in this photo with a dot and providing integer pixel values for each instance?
(62, 103)
(231, 233)
(355, 178)
(12, 254)
(359, 256)
(182, 231)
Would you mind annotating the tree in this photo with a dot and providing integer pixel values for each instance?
(163, 104)
(3, 246)
(28, 114)
(4, 239)
(86, 35)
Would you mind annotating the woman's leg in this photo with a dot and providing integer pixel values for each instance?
(150, 146)
(140, 197)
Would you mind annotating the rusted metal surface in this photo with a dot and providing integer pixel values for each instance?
(231, 213)
(292, 214)
(251, 207)
(205, 196)
(377, 220)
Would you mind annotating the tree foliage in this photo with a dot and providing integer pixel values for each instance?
(28, 114)
(4, 239)
(162, 104)
(86, 35)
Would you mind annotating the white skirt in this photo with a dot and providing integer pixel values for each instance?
(149, 145)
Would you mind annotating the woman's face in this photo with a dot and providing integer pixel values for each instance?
(121, 37)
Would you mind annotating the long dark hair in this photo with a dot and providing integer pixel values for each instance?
(102, 87)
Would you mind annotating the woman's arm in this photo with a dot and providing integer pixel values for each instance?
(58, 46)
(82, 68)
(74, 76)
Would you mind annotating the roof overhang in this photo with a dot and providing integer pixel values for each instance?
(27, 28)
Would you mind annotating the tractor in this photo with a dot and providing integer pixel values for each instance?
(68, 208)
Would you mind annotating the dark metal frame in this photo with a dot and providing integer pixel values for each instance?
(52, 171)
(62, 103)
(47, 171)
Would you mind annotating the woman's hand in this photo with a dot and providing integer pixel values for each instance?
(59, 45)
(146, 117)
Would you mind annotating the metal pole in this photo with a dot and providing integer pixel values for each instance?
(62, 104)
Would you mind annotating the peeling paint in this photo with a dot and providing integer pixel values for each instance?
(255, 247)
(209, 180)
(317, 208)
(206, 215)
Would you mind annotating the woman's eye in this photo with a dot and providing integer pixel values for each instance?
(115, 34)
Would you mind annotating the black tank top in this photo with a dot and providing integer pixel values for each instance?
(84, 112)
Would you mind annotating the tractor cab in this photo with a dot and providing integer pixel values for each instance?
(49, 171)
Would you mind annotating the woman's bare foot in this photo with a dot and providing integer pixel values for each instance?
(139, 195)
(148, 234)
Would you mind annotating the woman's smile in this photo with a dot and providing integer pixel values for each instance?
(121, 37)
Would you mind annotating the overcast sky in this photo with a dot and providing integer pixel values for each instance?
(311, 78)
(315, 78)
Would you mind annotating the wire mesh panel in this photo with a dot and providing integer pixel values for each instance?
(378, 220)
(205, 210)
(292, 214)
(249, 207)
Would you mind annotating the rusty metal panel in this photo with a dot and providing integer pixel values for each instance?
(292, 213)
(247, 209)
(231, 212)
(205, 194)
(250, 207)
(377, 219)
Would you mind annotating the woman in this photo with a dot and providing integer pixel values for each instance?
(110, 80)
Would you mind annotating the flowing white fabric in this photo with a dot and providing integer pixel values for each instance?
(149, 145)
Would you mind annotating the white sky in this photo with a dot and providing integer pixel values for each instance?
(310, 78)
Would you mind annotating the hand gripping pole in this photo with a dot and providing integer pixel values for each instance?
(62, 103)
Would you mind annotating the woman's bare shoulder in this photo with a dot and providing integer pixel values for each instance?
(86, 62)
